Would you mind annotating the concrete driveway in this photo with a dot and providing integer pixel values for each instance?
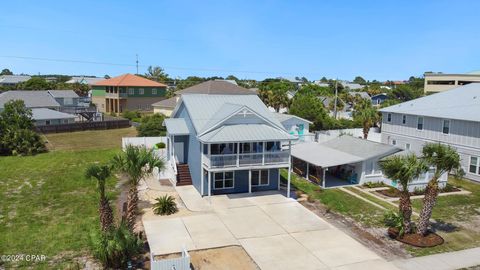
(277, 232)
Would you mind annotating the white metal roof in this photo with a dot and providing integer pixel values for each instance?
(245, 133)
(63, 93)
(321, 155)
(342, 150)
(462, 103)
(32, 99)
(176, 126)
(48, 114)
(284, 117)
(207, 110)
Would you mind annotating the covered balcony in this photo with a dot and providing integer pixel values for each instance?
(246, 154)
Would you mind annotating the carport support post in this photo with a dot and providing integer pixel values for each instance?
(323, 182)
(249, 181)
(289, 167)
(209, 184)
(308, 166)
(201, 169)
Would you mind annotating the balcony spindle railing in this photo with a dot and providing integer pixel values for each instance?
(248, 159)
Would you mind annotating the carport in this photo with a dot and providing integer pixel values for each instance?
(313, 160)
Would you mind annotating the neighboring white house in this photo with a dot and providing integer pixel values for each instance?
(296, 126)
(451, 117)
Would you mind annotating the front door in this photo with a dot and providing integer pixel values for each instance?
(178, 146)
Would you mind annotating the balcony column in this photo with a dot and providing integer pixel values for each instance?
(209, 184)
(323, 182)
(289, 167)
(263, 153)
(238, 154)
(201, 168)
(308, 166)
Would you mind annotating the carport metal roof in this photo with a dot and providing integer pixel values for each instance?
(320, 155)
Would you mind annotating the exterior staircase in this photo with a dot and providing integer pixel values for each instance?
(183, 176)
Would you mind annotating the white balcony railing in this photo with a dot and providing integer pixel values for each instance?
(242, 160)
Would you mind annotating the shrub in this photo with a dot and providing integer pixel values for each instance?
(393, 219)
(131, 115)
(374, 184)
(418, 191)
(115, 247)
(152, 126)
(165, 205)
(449, 188)
(160, 145)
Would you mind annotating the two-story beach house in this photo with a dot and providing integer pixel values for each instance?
(227, 144)
(451, 117)
(127, 92)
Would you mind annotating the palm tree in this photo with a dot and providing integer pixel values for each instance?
(445, 159)
(101, 173)
(136, 163)
(366, 114)
(404, 169)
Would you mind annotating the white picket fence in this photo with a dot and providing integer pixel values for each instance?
(148, 142)
(181, 263)
(374, 134)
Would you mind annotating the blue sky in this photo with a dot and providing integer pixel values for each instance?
(249, 39)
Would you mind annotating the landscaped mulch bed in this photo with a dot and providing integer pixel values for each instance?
(395, 193)
(430, 240)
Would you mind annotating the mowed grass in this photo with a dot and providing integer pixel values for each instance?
(93, 139)
(458, 217)
(47, 206)
(339, 201)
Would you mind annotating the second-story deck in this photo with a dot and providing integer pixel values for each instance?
(246, 159)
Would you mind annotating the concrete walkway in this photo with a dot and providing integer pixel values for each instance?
(443, 261)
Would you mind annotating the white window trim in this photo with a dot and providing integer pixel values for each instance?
(223, 180)
(477, 165)
(260, 174)
(449, 126)
(423, 123)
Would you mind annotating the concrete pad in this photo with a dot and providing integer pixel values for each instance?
(167, 235)
(230, 201)
(370, 265)
(192, 199)
(293, 217)
(334, 248)
(280, 252)
(248, 222)
(270, 197)
(208, 231)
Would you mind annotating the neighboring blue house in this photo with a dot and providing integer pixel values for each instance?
(379, 99)
(227, 144)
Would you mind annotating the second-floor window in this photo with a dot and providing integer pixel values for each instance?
(255, 147)
(407, 146)
(140, 91)
(474, 165)
(260, 178)
(131, 91)
(420, 123)
(389, 117)
(154, 91)
(223, 149)
(404, 119)
(394, 142)
(446, 127)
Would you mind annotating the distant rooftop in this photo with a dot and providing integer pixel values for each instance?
(84, 80)
(48, 114)
(63, 93)
(13, 79)
(216, 88)
(32, 99)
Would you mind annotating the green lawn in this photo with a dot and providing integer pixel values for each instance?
(460, 217)
(47, 206)
(340, 202)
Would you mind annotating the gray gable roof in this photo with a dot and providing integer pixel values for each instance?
(48, 114)
(166, 103)
(176, 126)
(284, 117)
(13, 79)
(245, 133)
(32, 99)
(63, 93)
(461, 103)
(360, 147)
(364, 95)
(208, 110)
(216, 88)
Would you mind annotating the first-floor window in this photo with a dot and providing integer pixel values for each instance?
(260, 178)
(223, 180)
(474, 165)
(446, 127)
(420, 123)
(394, 142)
(407, 146)
(47, 122)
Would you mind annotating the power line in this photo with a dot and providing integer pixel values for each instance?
(133, 65)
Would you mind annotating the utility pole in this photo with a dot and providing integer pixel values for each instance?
(336, 97)
(137, 62)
